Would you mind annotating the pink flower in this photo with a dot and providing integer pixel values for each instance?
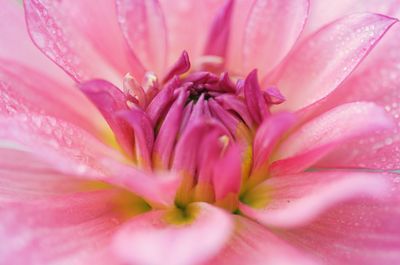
(149, 138)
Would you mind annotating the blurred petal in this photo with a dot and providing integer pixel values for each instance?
(326, 58)
(272, 29)
(296, 200)
(254, 244)
(155, 241)
(361, 232)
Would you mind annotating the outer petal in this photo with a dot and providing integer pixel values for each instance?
(16, 44)
(327, 57)
(360, 232)
(272, 29)
(143, 25)
(149, 239)
(328, 131)
(82, 38)
(256, 245)
(186, 21)
(67, 229)
(297, 200)
(23, 90)
(377, 80)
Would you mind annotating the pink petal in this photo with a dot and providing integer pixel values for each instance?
(297, 200)
(272, 29)
(85, 48)
(143, 25)
(377, 80)
(16, 44)
(66, 147)
(186, 21)
(219, 32)
(110, 100)
(326, 58)
(181, 66)
(46, 231)
(154, 241)
(360, 232)
(333, 128)
(254, 244)
(144, 135)
(323, 12)
(36, 93)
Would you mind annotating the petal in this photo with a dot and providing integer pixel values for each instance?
(219, 32)
(110, 100)
(360, 232)
(186, 21)
(253, 97)
(61, 230)
(326, 58)
(86, 48)
(314, 139)
(150, 234)
(16, 44)
(297, 200)
(272, 29)
(23, 90)
(377, 80)
(143, 26)
(254, 244)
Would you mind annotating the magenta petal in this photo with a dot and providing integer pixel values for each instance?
(296, 200)
(254, 99)
(272, 29)
(144, 135)
(157, 242)
(181, 66)
(143, 25)
(218, 35)
(110, 100)
(319, 65)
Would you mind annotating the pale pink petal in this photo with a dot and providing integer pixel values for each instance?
(69, 229)
(297, 200)
(323, 12)
(186, 22)
(35, 93)
(329, 130)
(143, 25)
(66, 147)
(149, 239)
(360, 232)
(326, 58)
(82, 38)
(218, 35)
(254, 244)
(376, 80)
(272, 29)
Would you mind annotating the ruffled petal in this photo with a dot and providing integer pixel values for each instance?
(155, 241)
(272, 29)
(82, 38)
(297, 200)
(254, 244)
(361, 232)
(313, 140)
(326, 58)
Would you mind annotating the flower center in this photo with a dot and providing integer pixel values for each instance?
(199, 125)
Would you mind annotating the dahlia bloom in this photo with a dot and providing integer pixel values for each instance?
(199, 132)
